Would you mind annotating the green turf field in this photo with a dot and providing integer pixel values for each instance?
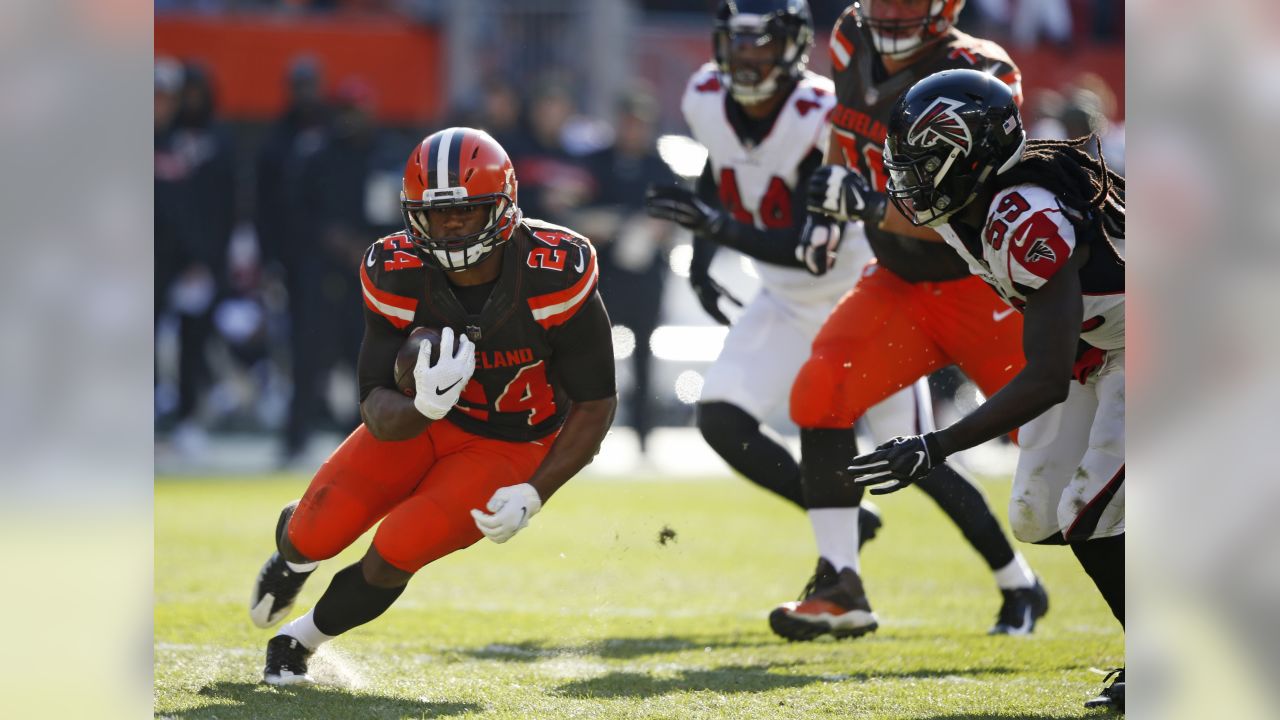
(585, 615)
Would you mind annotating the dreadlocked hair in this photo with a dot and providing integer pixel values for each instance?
(1083, 184)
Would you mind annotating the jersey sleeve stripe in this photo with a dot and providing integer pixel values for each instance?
(399, 310)
(555, 308)
(841, 50)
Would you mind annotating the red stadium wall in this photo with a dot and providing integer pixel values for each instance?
(1048, 68)
(249, 56)
(404, 61)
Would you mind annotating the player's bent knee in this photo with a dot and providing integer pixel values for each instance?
(380, 573)
(286, 547)
(816, 397)
(1030, 524)
(721, 423)
(1032, 532)
(1026, 533)
(312, 547)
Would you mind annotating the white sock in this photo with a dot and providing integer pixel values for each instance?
(302, 567)
(836, 530)
(304, 630)
(1017, 574)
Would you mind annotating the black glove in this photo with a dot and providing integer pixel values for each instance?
(819, 241)
(841, 193)
(683, 207)
(903, 460)
(709, 293)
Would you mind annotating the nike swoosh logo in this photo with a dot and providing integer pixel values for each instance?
(1021, 239)
(441, 391)
(919, 461)
(998, 315)
(582, 260)
(369, 261)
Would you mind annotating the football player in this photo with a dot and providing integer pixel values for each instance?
(1037, 221)
(914, 310)
(515, 402)
(762, 117)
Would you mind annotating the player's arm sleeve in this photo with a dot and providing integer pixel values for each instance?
(583, 352)
(799, 196)
(1050, 335)
(582, 362)
(704, 250)
(375, 366)
(388, 414)
(774, 246)
(387, 317)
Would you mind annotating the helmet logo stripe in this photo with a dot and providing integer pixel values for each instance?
(446, 157)
(454, 168)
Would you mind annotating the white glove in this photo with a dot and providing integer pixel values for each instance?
(438, 386)
(819, 241)
(511, 508)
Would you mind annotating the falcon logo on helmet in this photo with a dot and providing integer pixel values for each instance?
(942, 123)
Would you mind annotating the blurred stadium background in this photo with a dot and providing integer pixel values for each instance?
(281, 129)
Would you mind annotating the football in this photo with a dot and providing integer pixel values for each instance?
(407, 358)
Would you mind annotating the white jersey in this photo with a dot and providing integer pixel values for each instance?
(756, 181)
(1025, 240)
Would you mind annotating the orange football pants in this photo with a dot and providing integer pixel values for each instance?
(886, 332)
(422, 489)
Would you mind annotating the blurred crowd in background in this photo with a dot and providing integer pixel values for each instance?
(260, 218)
(1022, 22)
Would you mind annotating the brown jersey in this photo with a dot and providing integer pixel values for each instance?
(542, 336)
(865, 96)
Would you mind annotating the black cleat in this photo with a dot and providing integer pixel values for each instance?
(286, 662)
(1112, 696)
(869, 522)
(831, 603)
(1020, 610)
(274, 592)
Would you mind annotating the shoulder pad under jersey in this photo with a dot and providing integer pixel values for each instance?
(392, 279)
(561, 265)
(1029, 234)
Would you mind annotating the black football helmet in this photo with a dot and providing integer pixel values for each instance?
(947, 135)
(784, 26)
